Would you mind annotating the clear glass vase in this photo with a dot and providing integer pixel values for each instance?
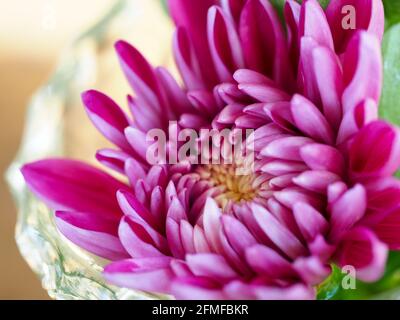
(57, 125)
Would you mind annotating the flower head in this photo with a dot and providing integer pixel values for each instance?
(321, 190)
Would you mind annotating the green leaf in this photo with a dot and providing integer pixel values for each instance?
(389, 108)
(392, 12)
(328, 289)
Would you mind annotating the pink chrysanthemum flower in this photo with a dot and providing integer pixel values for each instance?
(322, 191)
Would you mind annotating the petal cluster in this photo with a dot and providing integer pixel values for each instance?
(322, 191)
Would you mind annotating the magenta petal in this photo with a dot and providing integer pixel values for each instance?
(140, 240)
(313, 24)
(174, 238)
(92, 232)
(107, 116)
(347, 210)
(364, 113)
(375, 151)
(147, 274)
(363, 250)
(323, 157)
(387, 230)
(192, 16)
(113, 159)
(278, 233)
(73, 186)
(292, 17)
(362, 70)
(312, 270)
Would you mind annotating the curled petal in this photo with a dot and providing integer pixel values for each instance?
(147, 274)
(192, 17)
(107, 117)
(323, 157)
(73, 186)
(365, 252)
(311, 223)
(92, 232)
(224, 44)
(310, 120)
(113, 159)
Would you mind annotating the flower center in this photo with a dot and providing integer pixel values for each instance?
(235, 186)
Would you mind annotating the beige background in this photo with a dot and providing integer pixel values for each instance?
(32, 34)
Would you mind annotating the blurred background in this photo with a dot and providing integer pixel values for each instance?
(33, 33)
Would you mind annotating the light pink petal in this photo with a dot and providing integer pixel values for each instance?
(364, 113)
(237, 234)
(268, 262)
(107, 117)
(210, 265)
(147, 274)
(263, 41)
(329, 79)
(138, 141)
(92, 232)
(141, 240)
(347, 210)
(212, 223)
(310, 120)
(131, 206)
(364, 251)
(362, 70)
(286, 148)
(174, 238)
(323, 157)
(278, 233)
(73, 186)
